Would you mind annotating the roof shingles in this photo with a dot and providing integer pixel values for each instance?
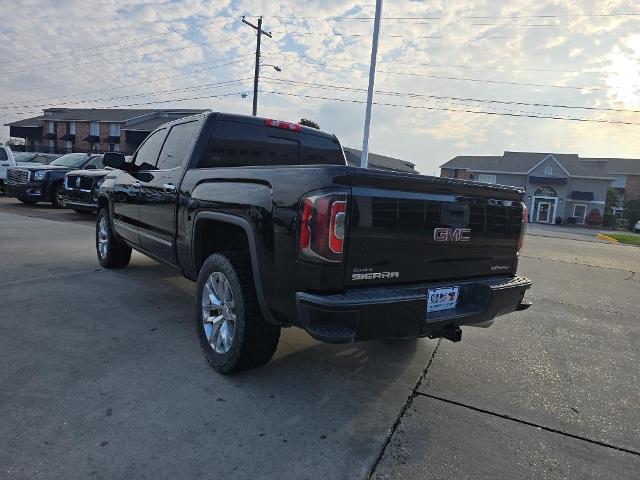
(523, 162)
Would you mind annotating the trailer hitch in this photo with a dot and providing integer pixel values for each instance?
(450, 332)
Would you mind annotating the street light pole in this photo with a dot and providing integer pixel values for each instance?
(364, 159)
(256, 75)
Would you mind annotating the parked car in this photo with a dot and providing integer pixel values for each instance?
(44, 183)
(6, 161)
(32, 158)
(278, 231)
(636, 228)
(81, 188)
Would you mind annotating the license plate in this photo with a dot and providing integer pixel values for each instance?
(442, 298)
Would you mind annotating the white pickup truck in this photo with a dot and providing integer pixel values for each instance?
(6, 161)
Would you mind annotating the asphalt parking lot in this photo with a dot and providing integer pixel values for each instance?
(101, 376)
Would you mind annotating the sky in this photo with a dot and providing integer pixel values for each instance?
(436, 60)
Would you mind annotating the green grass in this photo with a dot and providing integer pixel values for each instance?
(629, 238)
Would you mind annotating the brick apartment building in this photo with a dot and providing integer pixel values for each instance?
(67, 130)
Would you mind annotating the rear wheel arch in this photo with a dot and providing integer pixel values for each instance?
(218, 233)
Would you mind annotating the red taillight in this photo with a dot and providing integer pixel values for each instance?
(523, 229)
(269, 122)
(322, 227)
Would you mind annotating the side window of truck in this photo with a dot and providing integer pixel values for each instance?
(3, 154)
(147, 155)
(235, 144)
(174, 152)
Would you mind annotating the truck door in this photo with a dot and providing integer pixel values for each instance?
(158, 195)
(126, 194)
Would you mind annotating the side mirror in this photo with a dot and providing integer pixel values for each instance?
(113, 160)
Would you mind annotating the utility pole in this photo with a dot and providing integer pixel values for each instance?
(364, 159)
(256, 75)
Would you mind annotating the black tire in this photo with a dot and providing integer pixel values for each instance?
(254, 341)
(57, 196)
(28, 202)
(116, 254)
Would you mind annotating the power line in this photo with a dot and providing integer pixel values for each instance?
(121, 77)
(119, 42)
(55, 66)
(460, 99)
(466, 17)
(339, 34)
(120, 97)
(442, 77)
(547, 117)
(471, 67)
(140, 83)
(165, 101)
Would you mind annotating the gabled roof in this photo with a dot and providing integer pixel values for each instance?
(379, 161)
(522, 163)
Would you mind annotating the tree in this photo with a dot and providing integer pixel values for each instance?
(309, 123)
(612, 201)
(632, 212)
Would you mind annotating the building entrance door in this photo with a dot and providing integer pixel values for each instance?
(544, 211)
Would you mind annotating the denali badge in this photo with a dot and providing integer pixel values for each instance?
(374, 276)
(442, 234)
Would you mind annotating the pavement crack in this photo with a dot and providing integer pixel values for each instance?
(531, 424)
(537, 299)
(407, 404)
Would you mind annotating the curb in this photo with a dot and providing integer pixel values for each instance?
(602, 236)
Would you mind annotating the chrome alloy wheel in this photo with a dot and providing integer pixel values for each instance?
(218, 312)
(103, 237)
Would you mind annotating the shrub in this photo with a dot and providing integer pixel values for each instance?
(558, 220)
(571, 220)
(594, 219)
(631, 212)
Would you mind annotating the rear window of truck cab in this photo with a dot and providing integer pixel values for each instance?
(237, 144)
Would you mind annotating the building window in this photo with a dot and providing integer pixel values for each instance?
(71, 128)
(94, 147)
(94, 129)
(68, 146)
(548, 171)
(51, 146)
(485, 178)
(579, 213)
(51, 127)
(114, 129)
(114, 147)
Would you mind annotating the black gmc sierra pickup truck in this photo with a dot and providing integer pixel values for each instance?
(278, 231)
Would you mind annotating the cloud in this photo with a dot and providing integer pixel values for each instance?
(456, 54)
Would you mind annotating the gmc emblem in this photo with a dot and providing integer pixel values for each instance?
(443, 234)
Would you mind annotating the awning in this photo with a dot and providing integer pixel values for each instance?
(92, 138)
(588, 196)
(113, 139)
(69, 137)
(548, 180)
(51, 136)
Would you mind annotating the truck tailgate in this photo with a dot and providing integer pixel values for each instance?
(407, 228)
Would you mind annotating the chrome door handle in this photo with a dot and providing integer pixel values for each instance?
(136, 184)
(169, 187)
